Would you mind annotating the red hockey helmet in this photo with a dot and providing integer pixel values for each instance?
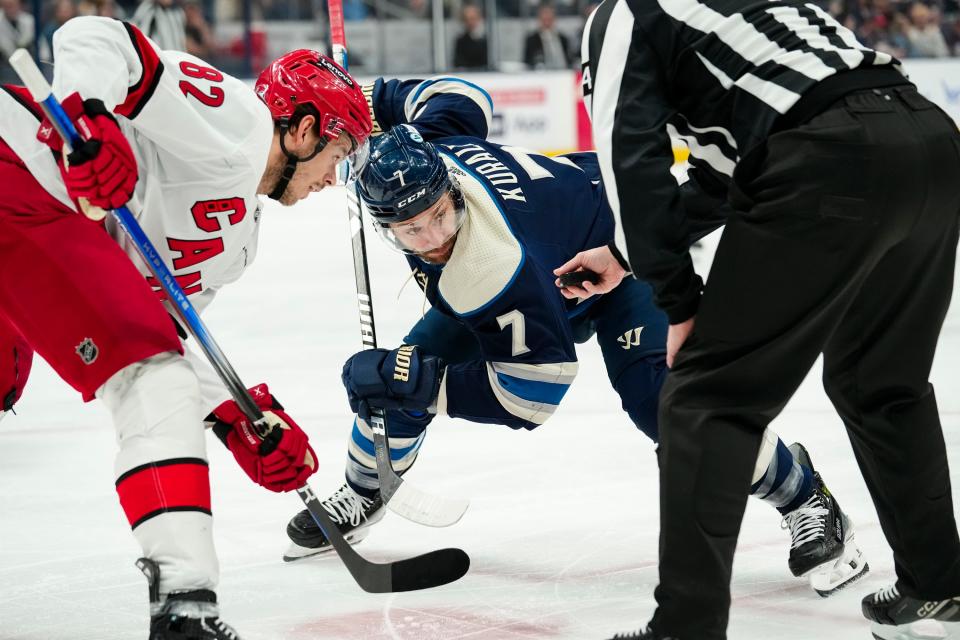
(308, 77)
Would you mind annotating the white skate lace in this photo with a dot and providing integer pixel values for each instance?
(887, 594)
(227, 630)
(223, 630)
(806, 522)
(345, 505)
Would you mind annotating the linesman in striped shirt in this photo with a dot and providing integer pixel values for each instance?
(837, 184)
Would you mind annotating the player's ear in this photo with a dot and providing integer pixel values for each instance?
(304, 134)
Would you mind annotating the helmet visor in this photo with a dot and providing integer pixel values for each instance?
(358, 158)
(429, 235)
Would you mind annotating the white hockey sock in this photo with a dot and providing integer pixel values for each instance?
(161, 468)
(362, 462)
(778, 477)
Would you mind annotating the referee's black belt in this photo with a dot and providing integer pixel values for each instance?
(832, 88)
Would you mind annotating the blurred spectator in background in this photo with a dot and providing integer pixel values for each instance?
(892, 38)
(163, 21)
(110, 9)
(355, 10)
(199, 37)
(547, 48)
(588, 8)
(63, 10)
(470, 48)
(952, 36)
(923, 31)
(16, 30)
(419, 8)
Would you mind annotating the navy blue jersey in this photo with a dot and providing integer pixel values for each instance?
(441, 106)
(526, 215)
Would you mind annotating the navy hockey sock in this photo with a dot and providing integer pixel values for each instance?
(786, 483)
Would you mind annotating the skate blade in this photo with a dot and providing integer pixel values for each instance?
(847, 569)
(919, 630)
(296, 552)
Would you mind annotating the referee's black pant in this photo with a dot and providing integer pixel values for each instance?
(843, 242)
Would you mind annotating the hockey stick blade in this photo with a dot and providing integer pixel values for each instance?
(425, 508)
(426, 571)
(404, 500)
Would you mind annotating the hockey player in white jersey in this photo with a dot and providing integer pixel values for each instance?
(197, 148)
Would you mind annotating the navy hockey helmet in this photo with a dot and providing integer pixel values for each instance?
(402, 185)
(403, 176)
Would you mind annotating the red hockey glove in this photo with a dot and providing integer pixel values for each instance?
(280, 462)
(102, 170)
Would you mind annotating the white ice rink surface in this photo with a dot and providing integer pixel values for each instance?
(562, 530)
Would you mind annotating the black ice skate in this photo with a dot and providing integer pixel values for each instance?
(822, 546)
(183, 615)
(643, 634)
(352, 513)
(899, 617)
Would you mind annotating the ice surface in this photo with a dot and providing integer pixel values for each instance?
(563, 524)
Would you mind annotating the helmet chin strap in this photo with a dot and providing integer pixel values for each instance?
(290, 167)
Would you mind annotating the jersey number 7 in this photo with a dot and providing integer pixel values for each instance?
(515, 320)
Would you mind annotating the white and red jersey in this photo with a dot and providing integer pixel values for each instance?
(201, 140)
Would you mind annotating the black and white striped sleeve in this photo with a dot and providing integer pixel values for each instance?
(624, 94)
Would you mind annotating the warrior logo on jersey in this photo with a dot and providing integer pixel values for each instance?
(631, 338)
(88, 351)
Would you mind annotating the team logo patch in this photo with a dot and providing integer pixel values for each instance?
(631, 338)
(88, 351)
(421, 277)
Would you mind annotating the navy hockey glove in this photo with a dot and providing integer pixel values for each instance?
(403, 378)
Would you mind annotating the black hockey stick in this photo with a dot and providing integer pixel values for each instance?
(429, 570)
(420, 572)
(409, 502)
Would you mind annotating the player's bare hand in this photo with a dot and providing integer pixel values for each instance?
(677, 334)
(600, 261)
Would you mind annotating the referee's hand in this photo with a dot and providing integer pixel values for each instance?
(676, 335)
(602, 262)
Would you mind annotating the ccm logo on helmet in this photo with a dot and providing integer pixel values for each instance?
(337, 72)
(419, 194)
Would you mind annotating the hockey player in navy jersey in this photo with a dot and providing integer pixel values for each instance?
(482, 226)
